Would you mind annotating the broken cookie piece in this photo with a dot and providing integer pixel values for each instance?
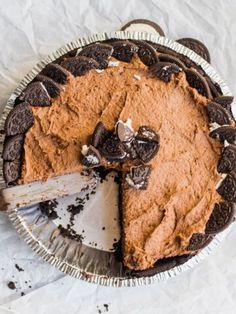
(91, 158)
(138, 177)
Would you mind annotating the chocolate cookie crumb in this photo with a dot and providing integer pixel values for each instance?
(11, 285)
(18, 267)
(75, 209)
(48, 208)
(106, 307)
(70, 233)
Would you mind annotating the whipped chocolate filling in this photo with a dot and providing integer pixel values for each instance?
(157, 222)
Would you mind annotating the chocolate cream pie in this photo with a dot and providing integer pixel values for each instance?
(149, 113)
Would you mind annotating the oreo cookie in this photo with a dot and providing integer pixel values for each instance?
(164, 57)
(36, 95)
(227, 188)
(98, 52)
(146, 133)
(198, 241)
(155, 26)
(138, 177)
(123, 50)
(197, 81)
(19, 120)
(51, 86)
(146, 143)
(197, 46)
(145, 149)
(124, 131)
(164, 70)
(147, 54)
(221, 217)
(225, 102)
(218, 88)
(214, 87)
(216, 113)
(112, 149)
(224, 133)
(79, 66)
(56, 72)
(99, 135)
(92, 158)
(13, 147)
(227, 161)
(11, 170)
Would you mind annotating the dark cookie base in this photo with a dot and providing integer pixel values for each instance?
(160, 266)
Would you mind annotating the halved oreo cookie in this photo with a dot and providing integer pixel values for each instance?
(147, 54)
(19, 120)
(56, 72)
(36, 95)
(143, 25)
(13, 147)
(146, 133)
(225, 101)
(214, 87)
(124, 131)
(227, 161)
(80, 65)
(198, 241)
(224, 133)
(218, 88)
(216, 113)
(92, 158)
(99, 135)
(197, 46)
(123, 50)
(227, 188)
(164, 57)
(221, 217)
(51, 86)
(145, 149)
(112, 149)
(138, 176)
(164, 70)
(11, 170)
(197, 81)
(98, 52)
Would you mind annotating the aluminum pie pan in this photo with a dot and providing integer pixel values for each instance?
(38, 236)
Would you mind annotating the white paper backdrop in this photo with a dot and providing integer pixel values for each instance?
(29, 30)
